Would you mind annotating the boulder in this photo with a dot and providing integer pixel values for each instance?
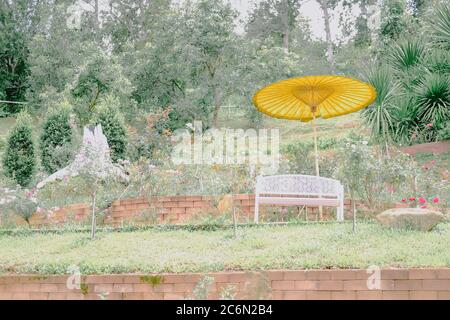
(410, 218)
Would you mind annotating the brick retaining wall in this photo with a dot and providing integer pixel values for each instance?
(277, 284)
(171, 209)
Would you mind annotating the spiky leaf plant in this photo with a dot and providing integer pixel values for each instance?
(406, 121)
(439, 24)
(433, 97)
(438, 61)
(378, 117)
(405, 55)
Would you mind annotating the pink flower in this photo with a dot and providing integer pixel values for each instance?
(429, 125)
(423, 207)
(404, 200)
(412, 199)
(422, 200)
(436, 200)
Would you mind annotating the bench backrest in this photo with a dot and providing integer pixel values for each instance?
(296, 184)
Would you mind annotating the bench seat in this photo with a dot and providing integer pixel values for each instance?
(297, 190)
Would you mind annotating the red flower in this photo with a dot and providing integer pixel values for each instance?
(422, 200)
(412, 199)
(436, 200)
(404, 200)
(423, 207)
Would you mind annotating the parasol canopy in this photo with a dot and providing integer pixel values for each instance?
(310, 97)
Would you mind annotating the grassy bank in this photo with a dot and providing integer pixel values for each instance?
(268, 247)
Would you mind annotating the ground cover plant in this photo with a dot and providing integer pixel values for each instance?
(306, 246)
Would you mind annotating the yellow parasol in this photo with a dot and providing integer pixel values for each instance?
(308, 98)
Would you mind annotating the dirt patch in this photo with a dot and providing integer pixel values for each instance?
(432, 147)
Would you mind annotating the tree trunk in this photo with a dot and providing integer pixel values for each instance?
(96, 15)
(285, 19)
(326, 19)
(217, 103)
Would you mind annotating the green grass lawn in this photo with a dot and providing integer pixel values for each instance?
(264, 247)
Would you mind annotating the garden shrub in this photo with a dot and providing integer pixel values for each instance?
(19, 159)
(56, 141)
(444, 133)
(113, 126)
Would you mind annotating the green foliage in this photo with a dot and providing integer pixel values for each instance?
(19, 159)
(111, 120)
(378, 117)
(393, 20)
(439, 24)
(56, 140)
(152, 280)
(444, 133)
(433, 97)
(21, 203)
(406, 54)
(15, 26)
(406, 120)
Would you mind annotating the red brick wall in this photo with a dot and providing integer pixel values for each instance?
(277, 284)
(169, 209)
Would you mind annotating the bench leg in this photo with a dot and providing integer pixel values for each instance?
(340, 212)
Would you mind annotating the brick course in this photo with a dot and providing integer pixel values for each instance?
(164, 209)
(401, 284)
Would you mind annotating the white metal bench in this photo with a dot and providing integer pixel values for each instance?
(296, 190)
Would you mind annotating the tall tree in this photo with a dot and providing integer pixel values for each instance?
(275, 19)
(327, 6)
(17, 26)
(393, 21)
(209, 35)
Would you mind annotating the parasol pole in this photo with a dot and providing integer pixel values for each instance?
(313, 123)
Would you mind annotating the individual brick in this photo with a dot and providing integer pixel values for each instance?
(21, 296)
(294, 295)
(408, 284)
(284, 285)
(307, 285)
(122, 287)
(422, 274)
(318, 275)
(318, 295)
(343, 295)
(353, 274)
(387, 274)
(294, 275)
(423, 295)
(331, 285)
(395, 295)
(439, 285)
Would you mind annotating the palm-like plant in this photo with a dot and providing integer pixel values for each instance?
(406, 120)
(378, 117)
(405, 55)
(439, 24)
(433, 97)
(438, 61)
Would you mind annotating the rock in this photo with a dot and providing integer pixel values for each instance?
(410, 218)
